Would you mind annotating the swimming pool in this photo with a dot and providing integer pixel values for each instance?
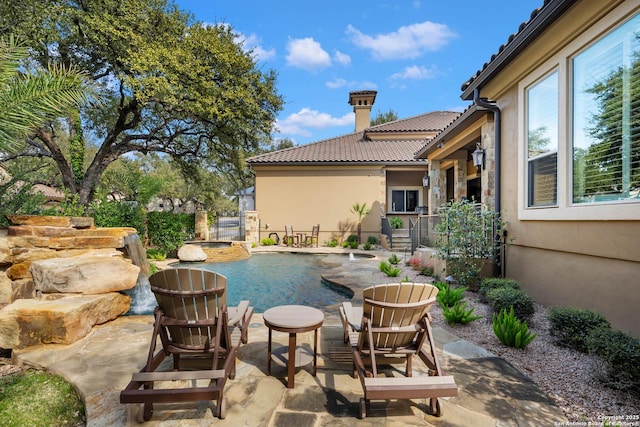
(271, 279)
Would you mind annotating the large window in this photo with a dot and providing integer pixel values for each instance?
(542, 142)
(404, 200)
(606, 118)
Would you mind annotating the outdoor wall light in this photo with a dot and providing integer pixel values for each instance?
(425, 181)
(478, 158)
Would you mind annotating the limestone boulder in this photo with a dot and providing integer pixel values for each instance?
(87, 274)
(5, 288)
(22, 288)
(30, 322)
(191, 253)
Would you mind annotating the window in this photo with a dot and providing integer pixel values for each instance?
(404, 200)
(606, 118)
(542, 142)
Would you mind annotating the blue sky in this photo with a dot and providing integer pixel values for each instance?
(416, 54)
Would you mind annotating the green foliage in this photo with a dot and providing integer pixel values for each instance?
(156, 254)
(405, 279)
(18, 201)
(394, 259)
(510, 330)
(426, 271)
(489, 283)
(361, 211)
(372, 240)
(440, 285)
(449, 296)
(34, 398)
(571, 326)
(458, 313)
(119, 214)
(620, 354)
(353, 245)
(465, 238)
(267, 241)
(353, 238)
(506, 298)
(168, 231)
(388, 269)
(381, 118)
(331, 243)
(153, 268)
(367, 246)
(396, 222)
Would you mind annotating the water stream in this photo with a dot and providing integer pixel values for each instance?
(142, 299)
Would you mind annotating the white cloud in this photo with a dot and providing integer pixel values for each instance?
(409, 41)
(342, 58)
(339, 83)
(307, 54)
(298, 123)
(415, 72)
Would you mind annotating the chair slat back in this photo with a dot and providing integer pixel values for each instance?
(191, 297)
(397, 305)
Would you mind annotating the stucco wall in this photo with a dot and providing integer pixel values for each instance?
(303, 197)
(591, 263)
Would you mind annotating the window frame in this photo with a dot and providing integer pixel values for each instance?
(404, 188)
(561, 62)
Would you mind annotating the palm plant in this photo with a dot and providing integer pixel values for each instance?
(29, 98)
(361, 210)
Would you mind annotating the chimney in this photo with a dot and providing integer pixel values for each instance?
(362, 101)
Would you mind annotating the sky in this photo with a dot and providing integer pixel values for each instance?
(415, 53)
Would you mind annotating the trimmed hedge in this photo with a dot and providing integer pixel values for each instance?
(620, 353)
(489, 283)
(571, 326)
(505, 298)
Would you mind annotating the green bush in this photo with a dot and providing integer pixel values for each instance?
(571, 326)
(426, 271)
(366, 246)
(394, 259)
(489, 283)
(505, 298)
(620, 353)
(449, 296)
(353, 245)
(387, 269)
(458, 313)
(396, 222)
(156, 254)
(119, 214)
(372, 240)
(353, 238)
(510, 330)
(331, 243)
(267, 241)
(169, 231)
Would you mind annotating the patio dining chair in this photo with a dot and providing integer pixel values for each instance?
(311, 240)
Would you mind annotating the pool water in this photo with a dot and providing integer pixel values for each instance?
(272, 279)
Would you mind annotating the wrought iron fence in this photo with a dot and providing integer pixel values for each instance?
(421, 231)
(227, 228)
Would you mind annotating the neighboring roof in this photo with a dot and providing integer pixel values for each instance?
(357, 147)
(528, 31)
(49, 192)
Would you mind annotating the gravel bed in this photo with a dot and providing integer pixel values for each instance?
(569, 377)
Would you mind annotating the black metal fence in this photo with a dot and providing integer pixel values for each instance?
(227, 228)
(421, 231)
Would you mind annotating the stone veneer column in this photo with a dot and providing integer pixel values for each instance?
(435, 187)
(489, 173)
(201, 226)
(252, 227)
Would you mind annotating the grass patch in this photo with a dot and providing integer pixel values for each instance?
(35, 398)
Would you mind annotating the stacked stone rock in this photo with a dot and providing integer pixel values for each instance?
(59, 277)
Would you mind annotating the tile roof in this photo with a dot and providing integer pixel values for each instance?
(356, 147)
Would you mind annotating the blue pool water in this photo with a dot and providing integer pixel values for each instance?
(271, 279)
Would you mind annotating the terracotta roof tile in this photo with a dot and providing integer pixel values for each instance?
(355, 147)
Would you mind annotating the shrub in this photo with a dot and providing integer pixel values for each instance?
(168, 231)
(353, 245)
(394, 259)
(458, 313)
(489, 283)
(119, 214)
(506, 298)
(331, 243)
(440, 285)
(353, 238)
(449, 296)
(156, 254)
(572, 326)
(510, 330)
(366, 246)
(426, 271)
(345, 244)
(396, 222)
(387, 269)
(372, 240)
(620, 354)
(414, 263)
(153, 268)
(267, 241)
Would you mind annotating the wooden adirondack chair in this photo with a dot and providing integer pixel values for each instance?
(192, 319)
(395, 320)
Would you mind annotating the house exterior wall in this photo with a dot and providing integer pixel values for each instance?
(305, 196)
(584, 256)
